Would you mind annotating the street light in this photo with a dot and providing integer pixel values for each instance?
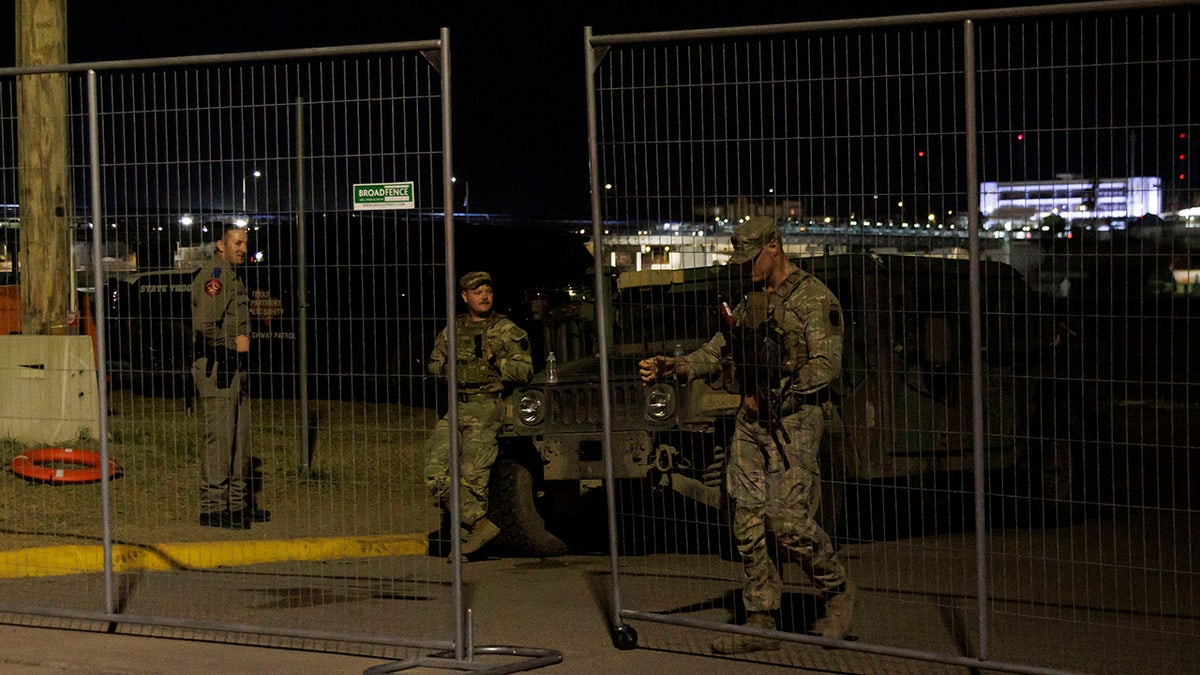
(466, 194)
(256, 174)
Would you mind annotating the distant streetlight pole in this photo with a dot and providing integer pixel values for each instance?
(256, 174)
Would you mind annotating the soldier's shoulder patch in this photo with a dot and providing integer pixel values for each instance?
(835, 317)
(212, 287)
(512, 331)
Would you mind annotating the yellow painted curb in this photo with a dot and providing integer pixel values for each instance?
(50, 561)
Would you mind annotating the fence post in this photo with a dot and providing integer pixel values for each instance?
(976, 321)
(306, 436)
(98, 313)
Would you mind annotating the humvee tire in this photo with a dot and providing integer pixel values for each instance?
(511, 506)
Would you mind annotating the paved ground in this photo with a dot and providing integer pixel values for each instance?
(558, 604)
(1050, 603)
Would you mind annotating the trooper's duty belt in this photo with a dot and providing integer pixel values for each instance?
(222, 361)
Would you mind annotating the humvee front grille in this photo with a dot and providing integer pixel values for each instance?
(578, 405)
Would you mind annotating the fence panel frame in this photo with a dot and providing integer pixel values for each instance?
(458, 651)
(598, 48)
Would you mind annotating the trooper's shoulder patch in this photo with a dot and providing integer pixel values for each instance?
(835, 317)
(212, 287)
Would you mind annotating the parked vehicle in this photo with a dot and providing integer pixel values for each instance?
(375, 299)
(903, 417)
(150, 336)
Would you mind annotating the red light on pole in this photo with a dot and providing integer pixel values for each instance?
(1020, 137)
(921, 153)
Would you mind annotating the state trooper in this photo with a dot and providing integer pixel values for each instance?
(784, 344)
(492, 356)
(221, 325)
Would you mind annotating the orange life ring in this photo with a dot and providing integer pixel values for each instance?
(29, 464)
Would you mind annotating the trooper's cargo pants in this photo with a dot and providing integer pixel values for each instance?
(225, 460)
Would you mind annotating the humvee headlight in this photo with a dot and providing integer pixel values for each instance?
(660, 402)
(531, 409)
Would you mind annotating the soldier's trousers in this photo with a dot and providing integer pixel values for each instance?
(225, 460)
(780, 490)
(478, 423)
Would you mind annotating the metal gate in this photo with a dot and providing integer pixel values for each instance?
(337, 164)
(1004, 204)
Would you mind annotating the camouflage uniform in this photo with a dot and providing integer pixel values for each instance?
(773, 477)
(220, 313)
(480, 392)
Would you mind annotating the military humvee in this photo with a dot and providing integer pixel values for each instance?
(903, 408)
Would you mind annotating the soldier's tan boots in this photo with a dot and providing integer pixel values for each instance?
(839, 614)
(742, 644)
(480, 533)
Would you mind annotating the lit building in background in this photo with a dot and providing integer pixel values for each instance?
(1106, 200)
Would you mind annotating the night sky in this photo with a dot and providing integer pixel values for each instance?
(518, 78)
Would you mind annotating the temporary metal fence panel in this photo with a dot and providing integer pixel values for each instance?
(1004, 204)
(346, 293)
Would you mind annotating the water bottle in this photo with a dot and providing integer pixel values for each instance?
(678, 353)
(551, 368)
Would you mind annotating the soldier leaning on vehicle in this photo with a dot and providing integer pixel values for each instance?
(785, 343)
(221, 324)
(493, 355)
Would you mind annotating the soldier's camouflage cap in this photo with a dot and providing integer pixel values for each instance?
(472, 280)
(750, 238)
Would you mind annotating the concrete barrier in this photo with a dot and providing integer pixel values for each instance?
(48, 391)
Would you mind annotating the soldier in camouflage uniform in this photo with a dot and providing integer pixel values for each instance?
(221, 322)
(785, 345)
(493, 352)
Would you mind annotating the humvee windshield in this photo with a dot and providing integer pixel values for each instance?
(658, 311)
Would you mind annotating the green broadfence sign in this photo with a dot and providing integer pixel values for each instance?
(379, 196)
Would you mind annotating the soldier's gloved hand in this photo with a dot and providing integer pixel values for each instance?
(655, 367)
(648, 369)
(750, 406)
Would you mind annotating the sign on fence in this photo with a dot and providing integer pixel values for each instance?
(380, 196)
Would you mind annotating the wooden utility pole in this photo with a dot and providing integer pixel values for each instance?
(42, 161)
